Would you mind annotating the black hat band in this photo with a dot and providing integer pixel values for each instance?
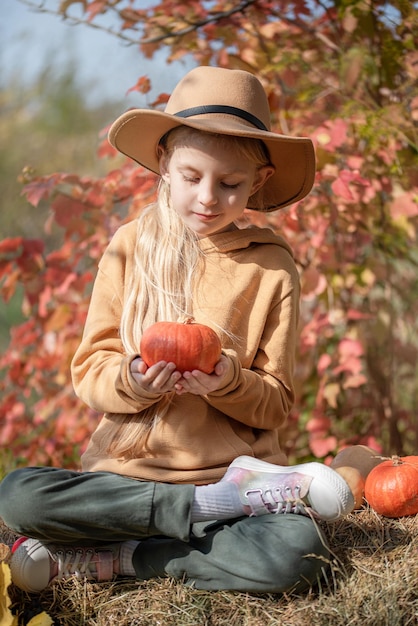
(214, 108)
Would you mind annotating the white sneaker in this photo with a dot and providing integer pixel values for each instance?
(309, 488)
(34, 565)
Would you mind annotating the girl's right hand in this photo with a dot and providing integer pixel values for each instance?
(159, 378)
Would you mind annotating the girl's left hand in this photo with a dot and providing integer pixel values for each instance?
(199, 383)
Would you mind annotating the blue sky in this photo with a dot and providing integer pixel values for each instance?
(106, 67)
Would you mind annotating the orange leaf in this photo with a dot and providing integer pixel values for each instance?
(162, 99)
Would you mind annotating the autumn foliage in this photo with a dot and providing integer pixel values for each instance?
(345, 74)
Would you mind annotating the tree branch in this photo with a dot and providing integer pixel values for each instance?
(74, 21)
(216, 17)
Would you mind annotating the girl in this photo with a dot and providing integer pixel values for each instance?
(175, 451)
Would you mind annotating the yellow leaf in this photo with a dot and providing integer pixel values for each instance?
(7, 619)
(331, 392)
(43, 619)
(323, 138)
(368, 277)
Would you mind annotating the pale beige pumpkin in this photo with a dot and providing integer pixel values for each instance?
(355, 481)
(363, 458)
(354, 463)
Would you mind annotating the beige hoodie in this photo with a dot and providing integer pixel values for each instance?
(250, 287)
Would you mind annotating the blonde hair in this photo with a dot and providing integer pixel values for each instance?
(169, 263)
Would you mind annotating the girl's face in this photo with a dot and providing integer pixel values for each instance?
(209, 185)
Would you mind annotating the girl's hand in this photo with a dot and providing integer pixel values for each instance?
(159, 378)
(199, 383)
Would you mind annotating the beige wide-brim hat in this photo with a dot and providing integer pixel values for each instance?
(228, 102)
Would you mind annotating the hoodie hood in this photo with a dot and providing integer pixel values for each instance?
(240, 239)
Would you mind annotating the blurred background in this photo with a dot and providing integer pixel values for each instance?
(60, 83)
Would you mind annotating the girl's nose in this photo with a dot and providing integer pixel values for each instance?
(207, 193)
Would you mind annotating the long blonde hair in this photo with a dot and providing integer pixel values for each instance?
(169, 263)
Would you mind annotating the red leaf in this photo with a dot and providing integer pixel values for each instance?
(106, 150)
(10, 245)
(404, 205)
(313, 282)
(67, 210)
(353, 314)
(331, 135)
(321, 446)
(39, 189)
(350, 347)
(9, 285)
(341, 188)
(162, 99)
(317, 424)
(94, 8)
(324, 361)
(143, 85)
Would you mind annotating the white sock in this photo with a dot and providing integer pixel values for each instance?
(218, 501)
(127, 549)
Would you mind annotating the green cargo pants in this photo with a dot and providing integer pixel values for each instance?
(271, 553)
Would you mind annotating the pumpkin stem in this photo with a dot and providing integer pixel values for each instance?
(396, 460)
(186, 319)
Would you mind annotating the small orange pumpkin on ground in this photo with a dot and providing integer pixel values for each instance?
(391, 488)
(191, 346)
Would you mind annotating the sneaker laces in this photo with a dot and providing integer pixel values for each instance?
(74, 562)
(280, 500)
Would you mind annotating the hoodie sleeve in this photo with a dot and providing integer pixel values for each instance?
(100, 368)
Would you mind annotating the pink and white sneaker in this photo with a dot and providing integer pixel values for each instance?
(34, 565)
(308, 489)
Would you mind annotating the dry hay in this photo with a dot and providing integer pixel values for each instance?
(372, 579)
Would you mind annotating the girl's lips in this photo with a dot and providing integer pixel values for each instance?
(206, 218)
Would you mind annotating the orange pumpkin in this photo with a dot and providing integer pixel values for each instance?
(391, 488)
(189, 345)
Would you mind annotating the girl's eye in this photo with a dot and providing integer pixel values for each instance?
(195, 180)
